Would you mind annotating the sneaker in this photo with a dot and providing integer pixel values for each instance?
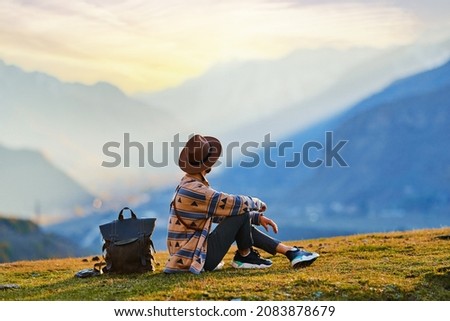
(252, 261)
(300, 258)
(219, 266)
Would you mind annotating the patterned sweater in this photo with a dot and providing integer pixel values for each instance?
(198, 206)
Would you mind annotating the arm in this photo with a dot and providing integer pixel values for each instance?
(223, 204)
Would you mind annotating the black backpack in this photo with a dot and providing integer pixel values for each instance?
(127, 246)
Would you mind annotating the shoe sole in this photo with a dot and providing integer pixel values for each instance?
(240, 265)
(302, 263)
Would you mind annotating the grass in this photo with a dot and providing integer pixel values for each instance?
(412, 265)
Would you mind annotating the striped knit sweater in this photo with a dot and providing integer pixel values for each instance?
(198, 206)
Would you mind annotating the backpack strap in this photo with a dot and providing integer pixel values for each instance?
(131, 211)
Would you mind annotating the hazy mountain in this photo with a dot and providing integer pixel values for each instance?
(241, 92)
(357, 82)
(245, 100)
(71, 122)
(399, 156)
(24, 240)
(398, 152)
(31, 186)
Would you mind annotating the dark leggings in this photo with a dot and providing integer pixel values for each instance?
(236, 228)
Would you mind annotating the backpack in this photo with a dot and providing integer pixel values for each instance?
(127, 246)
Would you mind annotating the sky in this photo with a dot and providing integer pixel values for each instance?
(150, 45)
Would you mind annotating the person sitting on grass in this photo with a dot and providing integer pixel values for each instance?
(192, 243)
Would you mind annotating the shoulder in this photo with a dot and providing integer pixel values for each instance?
(195, 189)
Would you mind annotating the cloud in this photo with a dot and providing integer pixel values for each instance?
(142, 45)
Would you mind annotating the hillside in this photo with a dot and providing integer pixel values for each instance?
(23, 239)
(29, 184)
(410, 265)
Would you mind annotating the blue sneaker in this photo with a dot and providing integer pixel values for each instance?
(300, 258)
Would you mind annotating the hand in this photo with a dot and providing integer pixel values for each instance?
(266, 222)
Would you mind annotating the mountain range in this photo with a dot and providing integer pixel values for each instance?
(248, 99)
(398, 175)
(71, 122)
